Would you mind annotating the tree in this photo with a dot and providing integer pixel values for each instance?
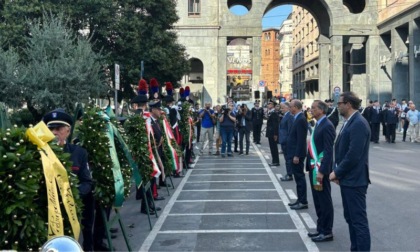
(127, 30)
(59, 69)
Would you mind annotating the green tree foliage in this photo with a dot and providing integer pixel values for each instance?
(128, 30)
(59, 70)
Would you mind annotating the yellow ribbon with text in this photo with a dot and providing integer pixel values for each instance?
(55, 174)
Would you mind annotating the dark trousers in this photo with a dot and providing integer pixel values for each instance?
(256, 132)
(300, 180)
(274, 150)
(187, 155)
(354, 205)
(148, 197)
(405, 127)
(390, 132)
(243, 132)
(99, 232)
(375, 132)
(288, 161)
(323, 205)
(88, 219)
(235, 139)
(198, 125)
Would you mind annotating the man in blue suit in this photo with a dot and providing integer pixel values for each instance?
(319, 164)
(284, 128)
(296, 153)
(351, 169)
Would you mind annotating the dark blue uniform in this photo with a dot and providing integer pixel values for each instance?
(375, 121)
(79, 157)
(391, 120)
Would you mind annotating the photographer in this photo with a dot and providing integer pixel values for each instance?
(244, 120)
(227, 127)
(217, 135)
(208, 119)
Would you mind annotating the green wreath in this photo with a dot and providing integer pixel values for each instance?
(24, 204)
(135, 128)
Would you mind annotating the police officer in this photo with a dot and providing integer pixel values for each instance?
(60, 123)
(272, 132)
(332, 114)
(257, 115)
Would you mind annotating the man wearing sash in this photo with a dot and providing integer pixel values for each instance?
(319, 164)
(59, 122)
(351, 169)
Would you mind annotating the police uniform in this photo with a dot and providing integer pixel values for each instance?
(80, 167)
(332, 114)
(257, 122)
(272, 131)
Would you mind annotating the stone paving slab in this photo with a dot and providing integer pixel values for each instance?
(229, 185)
(221, 222)
(238, 177)
(228, 242)
(198, 171)
(197, 195)
(229, 207)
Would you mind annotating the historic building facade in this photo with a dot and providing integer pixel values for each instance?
(399, 52)
(305, 51)
(270, 56)
(286, 58)
(225, 49)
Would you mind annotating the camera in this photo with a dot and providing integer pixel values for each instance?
(225, 109)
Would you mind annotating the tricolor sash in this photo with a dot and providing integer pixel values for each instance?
(169, 137)
(156, 172)
(315, 158)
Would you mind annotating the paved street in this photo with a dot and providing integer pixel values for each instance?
(238, 204)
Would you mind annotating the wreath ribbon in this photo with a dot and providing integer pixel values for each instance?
(55, 174)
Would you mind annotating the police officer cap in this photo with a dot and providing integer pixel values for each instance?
(155, 104)
(169, 98)
(58, 118)
(139, 99)
(272, 101)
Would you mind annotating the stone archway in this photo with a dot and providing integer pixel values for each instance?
(345, 26)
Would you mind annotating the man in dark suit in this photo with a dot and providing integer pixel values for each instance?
(284, 129)
(319, 164)
(375, 121)
(391, 120)
(244, 127)
(257, 114)
(351, 169)
(272, 132)
(296, 153)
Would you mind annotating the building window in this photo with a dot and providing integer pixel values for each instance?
(307, 29)
(312, 24)
(194, 8)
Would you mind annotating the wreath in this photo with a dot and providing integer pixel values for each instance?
(24, 222)
(135, 128)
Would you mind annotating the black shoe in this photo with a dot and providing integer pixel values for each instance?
(274, 164)
(376, 142)
(165, 184)
(113, 230)
(159, 198)
(178, 176)
(287, 178)
(314, 234)
(299, 206)
(151, 212)
(294, 203)
(113, 236)
(323, 238)
(155, 209)
(235, 151)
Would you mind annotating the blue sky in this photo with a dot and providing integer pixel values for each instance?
(274, 18)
